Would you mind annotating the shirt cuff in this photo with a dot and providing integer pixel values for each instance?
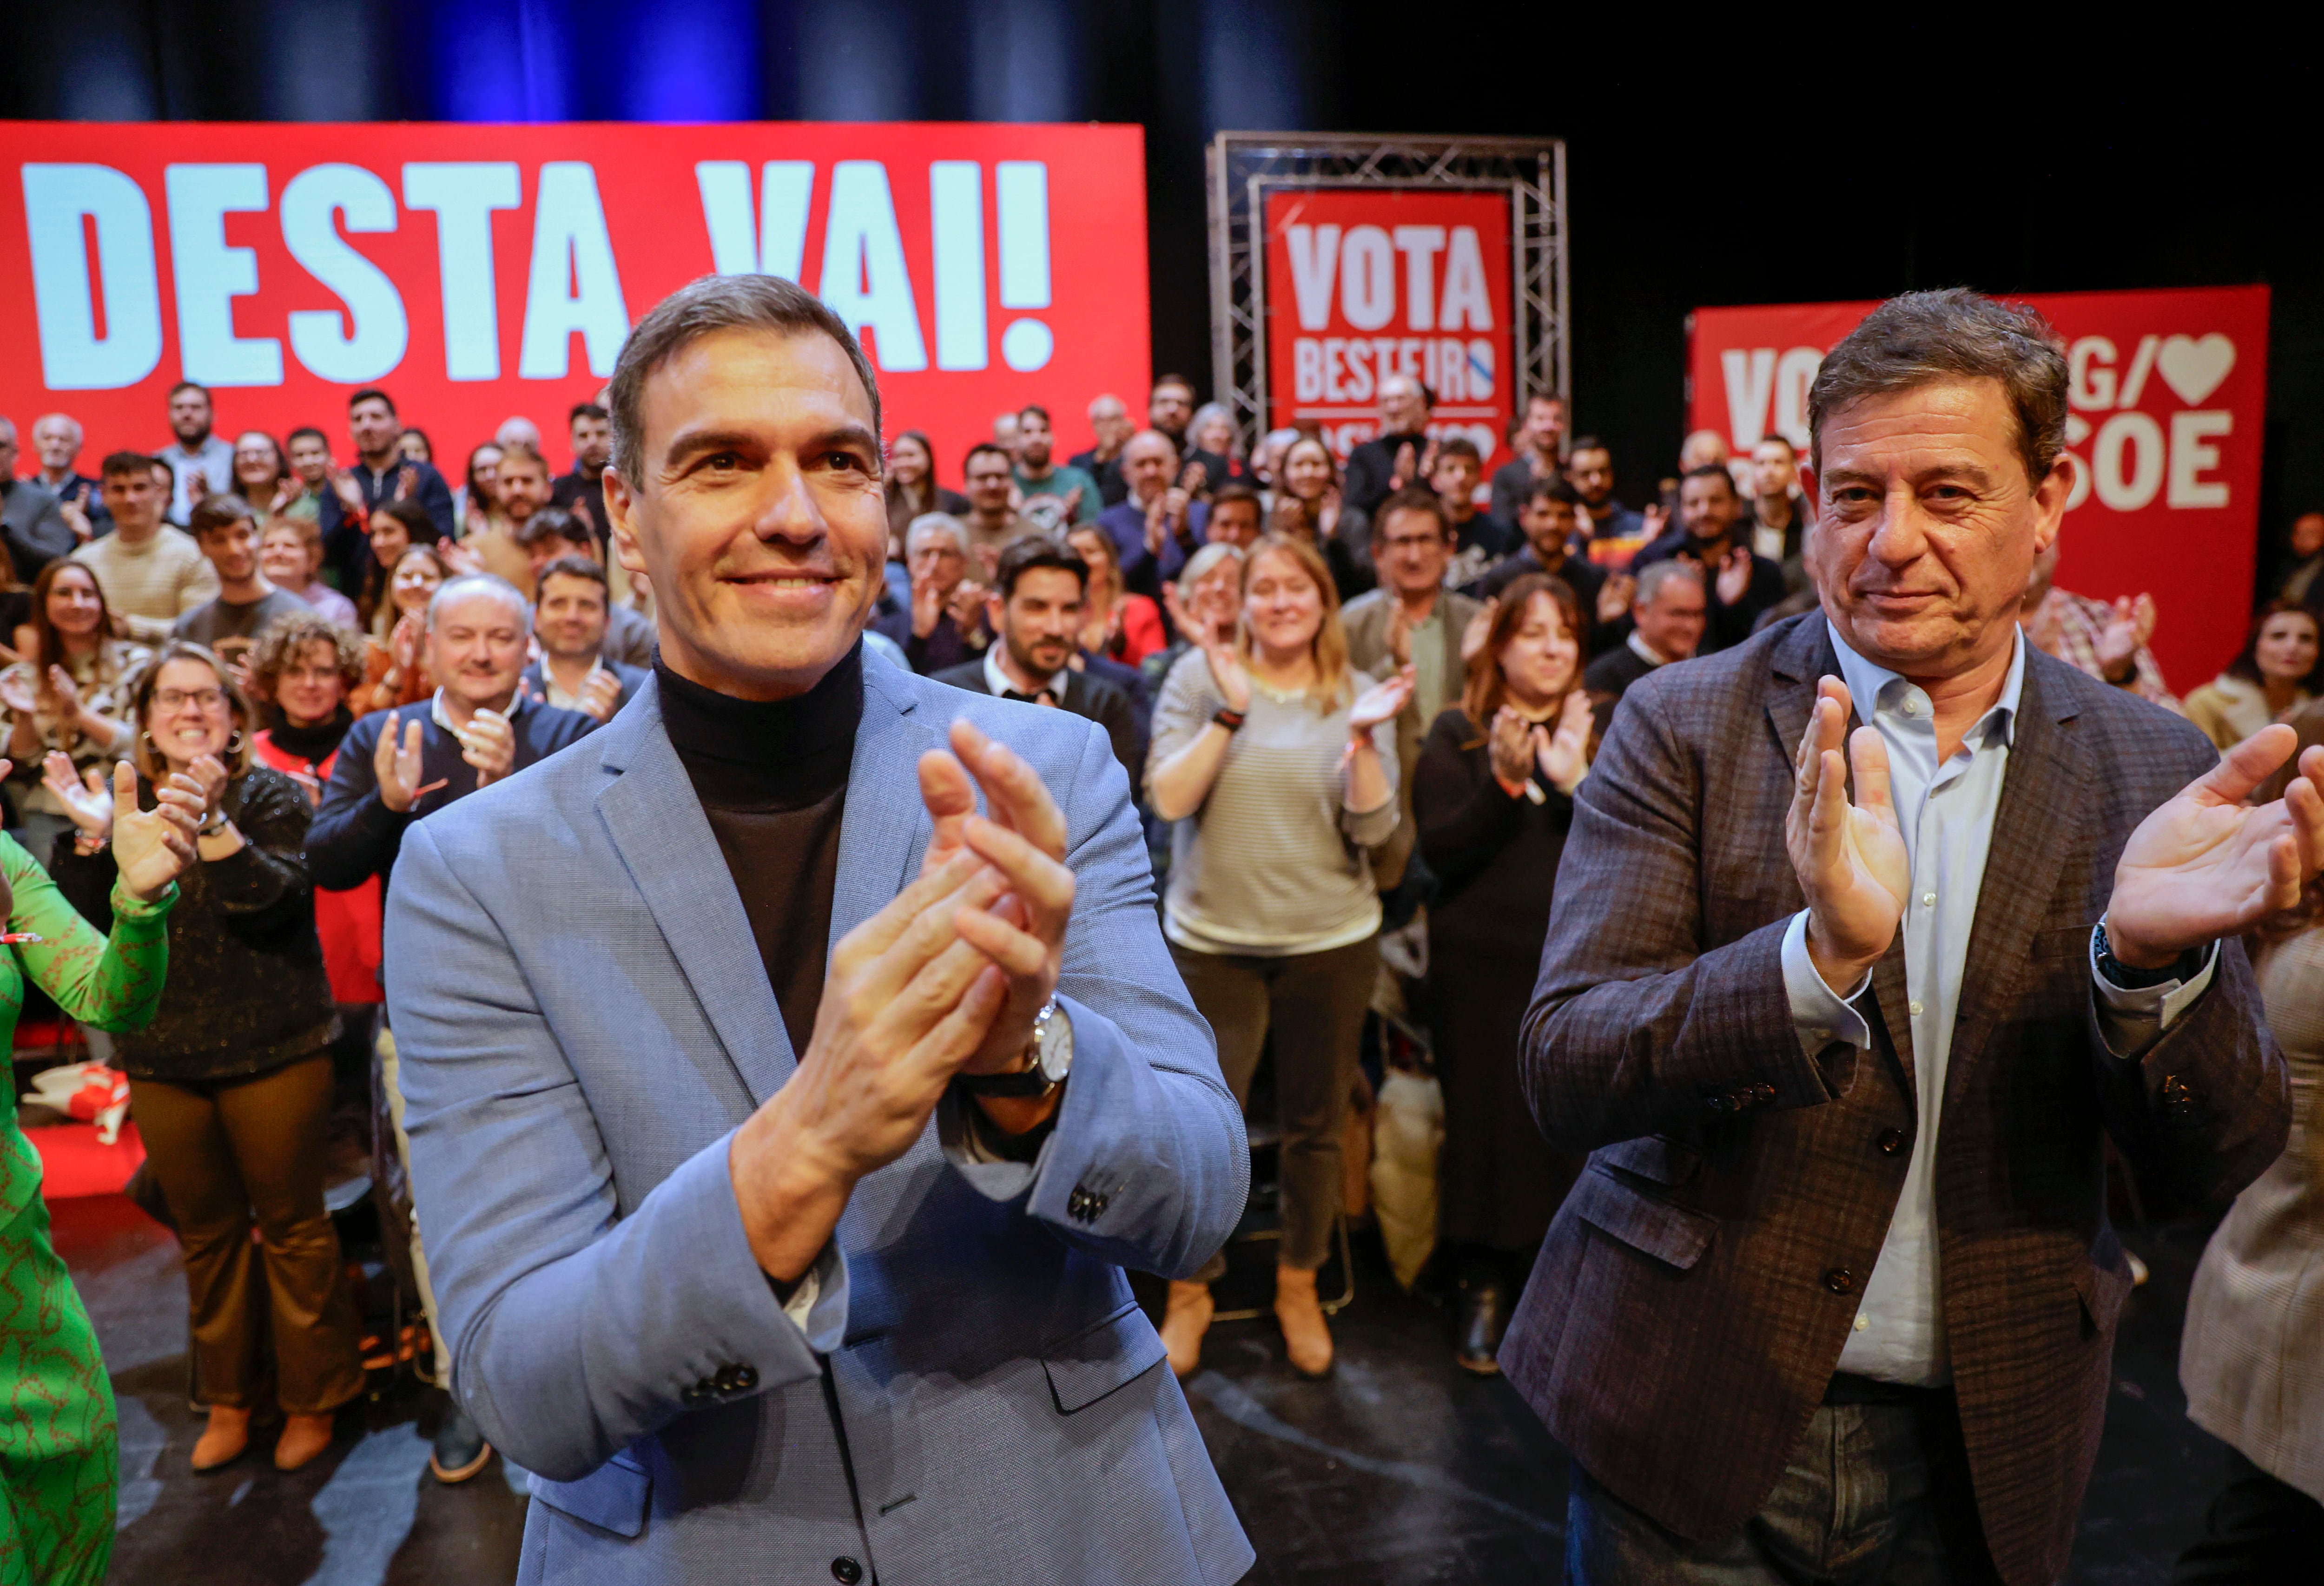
(821, 1331)
(2131, 1019)
(1822, 1016)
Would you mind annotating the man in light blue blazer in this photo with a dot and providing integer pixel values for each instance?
(781, 1125)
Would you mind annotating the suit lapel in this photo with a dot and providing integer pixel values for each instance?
(1800, 661)
(656, 822)
(2032, 832)
(885, 828)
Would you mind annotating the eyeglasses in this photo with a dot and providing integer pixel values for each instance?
(171, 698)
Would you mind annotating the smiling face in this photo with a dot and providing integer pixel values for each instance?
(389, 538)
(570, 619)
(1927, 527)
(233, 550)
(476, 648)
(1307, 469)
(310, 686)
(1041, 622)
(416, 579)
(1413, 552)
(908, 461)
(1539, 660)
(1035, 443)
(310, 459)
(74, 608)
(190, 714)
(758, 510)
(1402, 409)
(1281, 607)
(2286, 651)
(256, 466)
(282, 558)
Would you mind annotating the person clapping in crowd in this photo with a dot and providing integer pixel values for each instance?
(1778, 513)
(58, 1421)
(1740, 583)
(1549, 515)
(946, 625)
(1493, 797)
(1160, 523)
(1536, 440)
(2106, 640)
(573, 671)
(522, 484)
(1116, 624)
(1479, 540)
(397, 765)
(1308, 506)
(1055, 494)
(290, 555)
(475, 500)
(1211, 447)
(1205, 604)
(1668, 612)
(1612, 532)
(246, 602)
(395, 529)
(261, 476)
(231, 1083)
(1278, 762)
(1036, 613)
(68, 694)
(396, 668)
(2275, 674)
(151, 572)
(582, 493)
(1238, 515)
(912, 490)
(1397, 457)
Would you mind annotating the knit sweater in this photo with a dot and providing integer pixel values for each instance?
(151, 584)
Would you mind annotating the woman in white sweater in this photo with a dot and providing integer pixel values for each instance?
(1278, 763)
(2275, 674)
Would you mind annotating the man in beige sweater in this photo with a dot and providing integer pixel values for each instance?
(152, 573)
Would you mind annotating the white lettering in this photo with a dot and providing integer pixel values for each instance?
(1367, 278)
(1466, 305)
(1306, 370)
(573, 285)
(1314, 259)
(2141, 435)
(1020, 197)
(1359, 387)
(863, 276)
(2091, 368)
(210, 274)
(1335, 352)
(957, 237)
(1750, 382)
(1796, 371)
(73, 356)
(463, 196)
(1420, 244)
(375, 333)
(2192, 456)
(775, 243)
(2142, 364)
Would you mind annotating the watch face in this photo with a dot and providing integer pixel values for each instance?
(1054, 1046)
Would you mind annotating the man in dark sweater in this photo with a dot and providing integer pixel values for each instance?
(1740, 583)
(1036, 609)
(397, 766)
(1398, 454)
(1548, 518)
(1668, 620)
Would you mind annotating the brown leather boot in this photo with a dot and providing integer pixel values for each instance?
(1184, 1321)
(222, 1441)
(1305, 1336)
(303, 1437)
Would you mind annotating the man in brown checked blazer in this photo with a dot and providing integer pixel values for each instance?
(1836, 1299)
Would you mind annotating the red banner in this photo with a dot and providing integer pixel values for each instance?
(2169, 394)
(1362, 283)
(478, 272)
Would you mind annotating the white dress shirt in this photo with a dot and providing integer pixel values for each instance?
(1000, 684)
(1945, 813)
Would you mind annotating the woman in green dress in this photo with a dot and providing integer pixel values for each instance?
(58, 1442)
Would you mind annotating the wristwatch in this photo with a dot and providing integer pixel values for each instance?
(1051, 1050)
(2185, 967)
(212, 823)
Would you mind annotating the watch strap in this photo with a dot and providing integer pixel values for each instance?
(1026, 1082)
(2185, 967)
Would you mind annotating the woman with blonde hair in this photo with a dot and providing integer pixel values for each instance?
(231, 1082)
(1493, 796)
(1278, 763)
(1115, 623)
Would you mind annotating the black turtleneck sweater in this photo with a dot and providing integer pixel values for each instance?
(772, 778)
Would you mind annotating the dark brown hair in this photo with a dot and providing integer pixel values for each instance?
(285, 639)
(140, 700)
(1923, 337)
(1481, 695)
(2247, 662)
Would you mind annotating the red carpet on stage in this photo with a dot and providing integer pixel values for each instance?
(75, 1163)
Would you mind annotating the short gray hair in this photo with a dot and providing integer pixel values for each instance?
(1657, 574)
(468, 585)
(1198, 565)
(700, 308)
(1924, 338)
(928, 524)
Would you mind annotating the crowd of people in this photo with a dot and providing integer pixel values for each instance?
(1353, 701)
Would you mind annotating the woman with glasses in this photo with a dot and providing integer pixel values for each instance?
(231, 1083)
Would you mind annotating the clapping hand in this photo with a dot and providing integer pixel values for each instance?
(66, 692)
(966, 602)
(1657, 519)
(1511, 747)
(87, 797)
(1734, 580)
(76, 517)
(1563, 753)
(152, 848)
(1228, 675)
(1478, 628)
(395, 760)
(1849, 858)
(350, 495)
(601, 693)
(16, 693)
(1614, 597)
(488, 743)
(1378, 704)
(928, 607)
(2207, 865)
(2128, 628)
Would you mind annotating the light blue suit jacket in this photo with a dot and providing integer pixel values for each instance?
(582, 1021)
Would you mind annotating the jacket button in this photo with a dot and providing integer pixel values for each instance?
(730, 1379)
(1839, 1280)
(846, 1570)
(695, 1396)
(1893, 1141)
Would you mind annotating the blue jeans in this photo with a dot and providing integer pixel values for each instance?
(1874, 1494)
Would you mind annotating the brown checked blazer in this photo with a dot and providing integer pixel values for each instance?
(1690, 1302)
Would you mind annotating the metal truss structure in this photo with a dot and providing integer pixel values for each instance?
(1245, 167)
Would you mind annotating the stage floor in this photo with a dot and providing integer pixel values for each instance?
(1398, 1470)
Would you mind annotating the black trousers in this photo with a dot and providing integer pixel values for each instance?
(2259, 1531)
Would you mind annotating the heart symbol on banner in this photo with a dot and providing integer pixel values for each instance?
(2195, 368)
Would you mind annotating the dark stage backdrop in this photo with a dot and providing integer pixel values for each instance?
(1773, 157)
